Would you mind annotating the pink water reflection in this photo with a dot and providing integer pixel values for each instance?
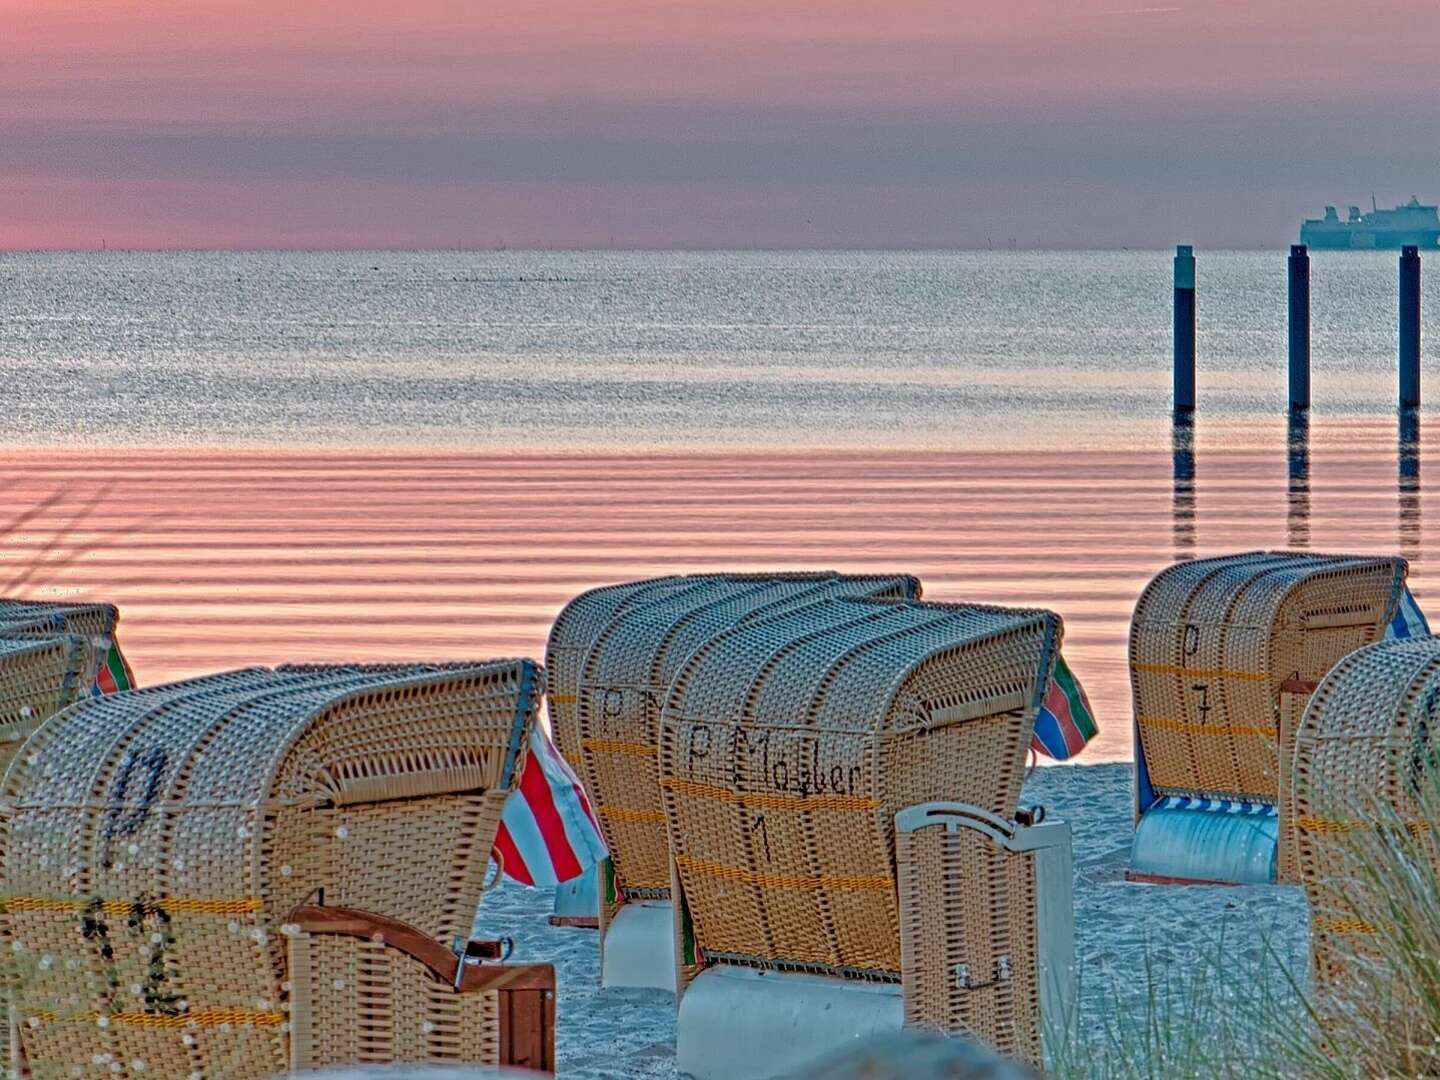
(220, 559)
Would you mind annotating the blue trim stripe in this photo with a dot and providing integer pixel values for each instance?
(522, 712)
(1218, 806)
(1409, 621)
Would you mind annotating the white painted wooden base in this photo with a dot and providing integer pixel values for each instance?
(639, 947)
(746, 1024)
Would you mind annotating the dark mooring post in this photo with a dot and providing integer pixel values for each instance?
(1299, 327)
(1409, 327)
(1184, 329)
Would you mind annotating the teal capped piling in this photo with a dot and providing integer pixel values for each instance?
(1184, 328)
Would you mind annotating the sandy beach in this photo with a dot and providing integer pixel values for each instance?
(1121, 930)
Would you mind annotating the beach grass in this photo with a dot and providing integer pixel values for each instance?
(1190, 1021)
(1380, 1019)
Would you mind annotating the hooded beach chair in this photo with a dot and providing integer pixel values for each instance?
(51, 654)
(1224, 654)
(268, 870)
(840, 787)
(1365, 767)
(615, 651)
(39, 676)
(104, 668)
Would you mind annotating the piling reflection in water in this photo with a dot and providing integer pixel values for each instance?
(1297, 495)
(1182, 448)
(228, 558)
(1407, 484)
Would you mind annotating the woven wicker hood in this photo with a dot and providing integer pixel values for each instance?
(155, 841)
(49, 659)
(1212, 641)
(635, 638)
(788, 745)
(1366, 753)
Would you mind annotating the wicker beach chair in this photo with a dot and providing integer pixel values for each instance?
(1224, 653)
(51, 655)
(1364, 774)
(265, 870)
(103, 665)
(805, 912)
(615, 651)
(38, 678)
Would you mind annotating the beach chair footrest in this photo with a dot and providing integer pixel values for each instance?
(366, 989)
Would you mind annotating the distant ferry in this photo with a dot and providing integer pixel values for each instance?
(1413, 223)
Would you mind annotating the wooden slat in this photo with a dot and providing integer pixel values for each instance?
(527, 1028)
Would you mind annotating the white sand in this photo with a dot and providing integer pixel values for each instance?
(1120, 928)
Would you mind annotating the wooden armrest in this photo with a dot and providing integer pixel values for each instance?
(1298, 686)
(441, 961)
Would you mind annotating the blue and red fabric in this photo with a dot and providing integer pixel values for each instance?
(548, 834)
(1066, 722)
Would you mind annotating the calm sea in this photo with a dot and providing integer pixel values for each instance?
(423, 455)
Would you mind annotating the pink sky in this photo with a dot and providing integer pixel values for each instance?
(717, 122)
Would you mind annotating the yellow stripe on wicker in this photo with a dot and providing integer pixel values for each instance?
(172, 905)
(205, 1018)
(642, 884)
(1328, 825)
(770, 802)
(783, 881)
(618, 746)
(193, 1018)
(1343, 926)
(1203, 673)
(624, 813)
(1205, 729)
(561, 699)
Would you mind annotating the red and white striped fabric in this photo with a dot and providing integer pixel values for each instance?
(548, 834)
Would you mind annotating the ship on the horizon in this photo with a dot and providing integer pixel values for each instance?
(1414, 223)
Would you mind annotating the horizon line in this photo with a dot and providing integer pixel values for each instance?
(501, 249)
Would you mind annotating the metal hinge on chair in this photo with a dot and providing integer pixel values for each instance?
(962, 975)
(476, 951)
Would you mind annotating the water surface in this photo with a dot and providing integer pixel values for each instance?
(392, 455)
(675, 351)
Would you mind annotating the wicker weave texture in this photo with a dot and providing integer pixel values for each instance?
(624, 678)
(1213, 640)
(94, 621)
(968, 941)
(359, 1002)
(49, 656)
(575, 629)
(94, 624)
(154, 841)
(788, 744)
(38, 678)
(1364, 755)
(1287, 858)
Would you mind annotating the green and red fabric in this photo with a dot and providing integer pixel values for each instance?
(1066, 722)
(114, 673)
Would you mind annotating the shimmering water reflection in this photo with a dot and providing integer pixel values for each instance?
(221, 558)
